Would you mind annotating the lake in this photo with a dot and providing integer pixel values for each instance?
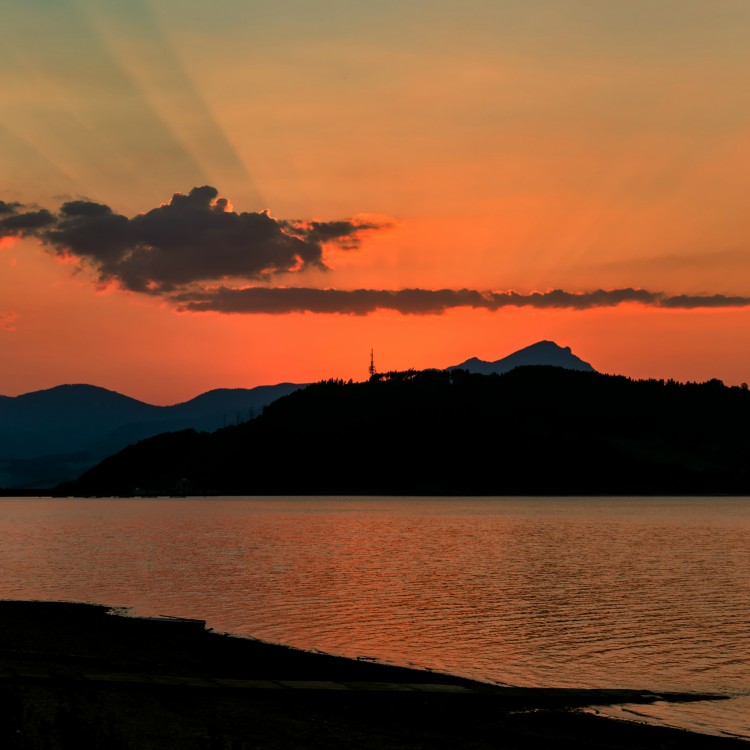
(645, 593)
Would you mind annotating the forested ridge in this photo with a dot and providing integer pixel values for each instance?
(534, 430)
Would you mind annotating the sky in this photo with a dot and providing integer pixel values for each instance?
(196, 196)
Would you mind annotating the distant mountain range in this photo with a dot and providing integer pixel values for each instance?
(50, 436)
(54, 435)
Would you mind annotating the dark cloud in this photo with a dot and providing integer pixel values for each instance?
(199, 255)
(574, 300)
(358, 302)
(26, 223)
(8, 208)
(423, 301)
(687, 302)
(338, 232)
(16, 220)
(193, 240)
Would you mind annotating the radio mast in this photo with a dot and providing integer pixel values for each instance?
(372, 362)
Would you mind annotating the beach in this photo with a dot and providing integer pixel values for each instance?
(74, 675)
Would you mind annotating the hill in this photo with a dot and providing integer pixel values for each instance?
(53, 435)
(541, 353)
(533, 430)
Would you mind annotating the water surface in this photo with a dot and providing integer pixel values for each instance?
(646, 593)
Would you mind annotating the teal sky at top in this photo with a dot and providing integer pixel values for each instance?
(666, 29)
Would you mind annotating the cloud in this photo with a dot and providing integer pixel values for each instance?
(338, 232)
(8, 208)
(688, 302)
(194, 240)
(27, 222)
(572, 300)
(16, 220)
(282, 300)
(198, 254)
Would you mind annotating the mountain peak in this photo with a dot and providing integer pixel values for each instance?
(541, 353)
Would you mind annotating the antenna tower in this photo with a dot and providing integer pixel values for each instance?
(372, 362)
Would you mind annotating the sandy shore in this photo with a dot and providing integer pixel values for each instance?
(74, 675)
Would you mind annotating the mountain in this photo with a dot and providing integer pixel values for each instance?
(534, 430)
(50, 436)
(541, 353)
(53, 435)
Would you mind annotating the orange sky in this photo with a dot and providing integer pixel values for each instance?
(527, 147)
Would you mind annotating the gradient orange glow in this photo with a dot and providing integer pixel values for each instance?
(507, 146)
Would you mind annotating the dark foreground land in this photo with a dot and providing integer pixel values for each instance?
(77, 676)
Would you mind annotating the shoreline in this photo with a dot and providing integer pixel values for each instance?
(75, 673)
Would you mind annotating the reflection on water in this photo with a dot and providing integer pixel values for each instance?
(644, 593)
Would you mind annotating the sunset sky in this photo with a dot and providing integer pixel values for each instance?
(198, 195)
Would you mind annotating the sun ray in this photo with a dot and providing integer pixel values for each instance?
(74, 65)
(134, 38)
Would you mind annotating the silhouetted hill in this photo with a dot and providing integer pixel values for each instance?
(541, 353)
(533, 430)
(53, 435)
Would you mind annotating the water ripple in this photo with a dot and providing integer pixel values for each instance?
(642, 593)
